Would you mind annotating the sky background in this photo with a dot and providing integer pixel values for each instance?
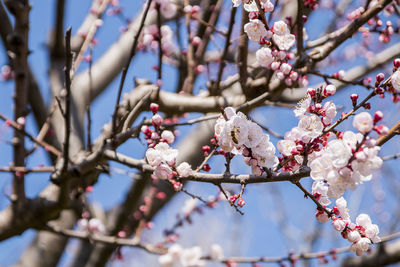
(257, 233)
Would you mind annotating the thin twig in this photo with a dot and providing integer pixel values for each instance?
(126, 67)
(111, 240)
(308, 194)
(226, 49)
(67, 115)
(227, 198)
(41, 143)
(299, 25)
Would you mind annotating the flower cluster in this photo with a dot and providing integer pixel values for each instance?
(160, 154)
(238, 135)
(150, 38)
(361, 234)
(189, 257)
(308, 133)
(345, 163)
(276, 60)
(282, 36)
(350, 159)
(251, 6)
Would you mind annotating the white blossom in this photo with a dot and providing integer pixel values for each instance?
(216, 252)
(284, 42)
(339, 225)
(318, 187)
(191, 257)
(341, 204)
(353, 236)
(286, 147)
(163, 172)
(168, 136)
(363, 122)
(255, 30)
(396, 80)
(166, 260)
(330, 109)
(184, 169)
(252, 6)
(302, 106)
(254, 135)
(311, 126)
(281, 28)
(264, 57)
(154, 157)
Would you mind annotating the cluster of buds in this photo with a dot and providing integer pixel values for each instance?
(237, 197)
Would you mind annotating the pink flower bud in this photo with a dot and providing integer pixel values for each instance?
(290, 56)
(232, 199)
(157, 120)
(311, 92)
(200, 69)
(21, 120)
(206, 167)
(294, 75)
(285, 68)
(161, 195)
(280, 75)
(354, 98)
(253, 15)
(329, 90)
(396, 63)
(282, 55)
(196, 40)
(366, 81)
(340, 74)
(288, 82)
(121, 234)
(89, 189)
(303, 82)
(275, 65)
(378, 116)
(154, 107)
(380, 77)
(381, 129)
(241, 202)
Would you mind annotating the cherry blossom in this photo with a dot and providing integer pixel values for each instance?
(396, 80)
(264, 57)
(184, 169)
(163, 172)
(191, 257)
(168, 136)
(238, 134)
(216, 252)
(282, 37)
(255, 30)
(363, 122)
